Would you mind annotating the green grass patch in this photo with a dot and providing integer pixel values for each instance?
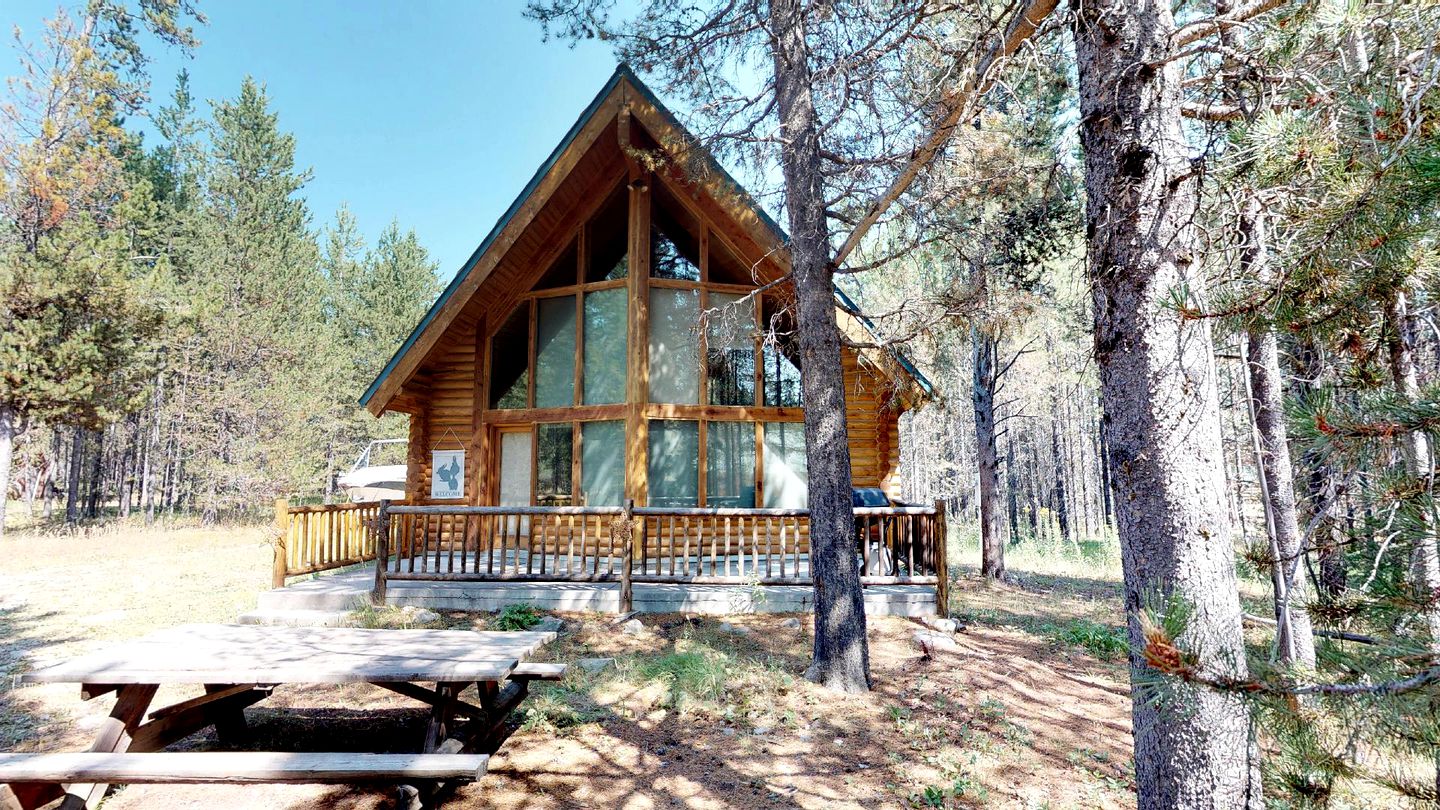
(1100, 640)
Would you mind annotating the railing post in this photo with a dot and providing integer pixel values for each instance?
(282, 535)
(627, 596)
(382, 552)
(942, 565)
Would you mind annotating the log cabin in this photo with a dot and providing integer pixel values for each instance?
(606, 343)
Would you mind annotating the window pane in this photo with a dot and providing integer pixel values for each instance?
(674, 239)
(674, 463)
(787, 484)
(555, 352)
(606, 345)
(609, 235)
(782, 379)
(726, 267)
(730, 464)
(554, 450)
(674, 346)
(562, 272)
(510, 361)
(730, 350)
(781, 356)
(602, 463)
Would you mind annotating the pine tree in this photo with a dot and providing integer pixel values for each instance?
(257, 346)
(80, 308)
(375, 299)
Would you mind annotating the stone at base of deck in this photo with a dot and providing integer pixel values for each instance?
(351, 589)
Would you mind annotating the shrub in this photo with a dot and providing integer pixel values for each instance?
(517, 617)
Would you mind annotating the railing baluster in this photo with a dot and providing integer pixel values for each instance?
(782, 546)
(570, 547)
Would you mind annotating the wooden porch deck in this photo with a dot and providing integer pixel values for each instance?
(597, 558)
(351, 589)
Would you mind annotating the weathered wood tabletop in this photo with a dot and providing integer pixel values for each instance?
(239, 665)
(231, 653)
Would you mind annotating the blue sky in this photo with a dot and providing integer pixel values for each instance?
(434, 113)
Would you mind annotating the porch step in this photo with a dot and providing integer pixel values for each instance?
(339, 592)
(288, 617)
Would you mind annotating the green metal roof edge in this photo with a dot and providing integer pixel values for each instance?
(622, 71)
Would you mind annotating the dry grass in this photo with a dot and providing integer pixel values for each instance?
(691, 715)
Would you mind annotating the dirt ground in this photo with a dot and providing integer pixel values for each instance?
(695, 713)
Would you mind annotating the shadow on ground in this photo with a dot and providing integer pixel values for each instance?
(21, 717)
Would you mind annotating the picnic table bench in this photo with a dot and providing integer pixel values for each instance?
(238, 666)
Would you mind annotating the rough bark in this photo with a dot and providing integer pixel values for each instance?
(1295, 639)
(1104, 453)
(987, 462)
(9, 427)
(841, 653)
(1193, 748)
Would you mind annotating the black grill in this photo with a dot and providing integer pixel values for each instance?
(868, 496)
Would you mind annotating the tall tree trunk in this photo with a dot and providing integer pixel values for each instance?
(1324, 489)
(9, 428)
(1415, 447)
(1011, 483)
(1419, 465)
(96, 491)
(1294, 638)
(841, 653)
(1104, 474)
(984, 351)
(1032, 498)
(72, 485)
(1194, 748)
(1062, 505)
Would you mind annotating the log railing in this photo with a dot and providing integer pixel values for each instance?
(319, 538)
(900, 545)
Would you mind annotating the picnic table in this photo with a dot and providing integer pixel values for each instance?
(238, 666)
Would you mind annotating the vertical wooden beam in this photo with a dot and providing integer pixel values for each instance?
(382, 552)
(759, 464)
(478, 459)
(530, 353)
(282, 540)
(415, 456)
(637, 434)
(627, 599)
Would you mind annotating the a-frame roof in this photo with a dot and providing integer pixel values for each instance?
(623, 89)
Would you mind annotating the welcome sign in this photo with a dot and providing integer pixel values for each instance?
(447, 479)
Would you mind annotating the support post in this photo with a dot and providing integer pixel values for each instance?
(627, 596)
(942, 563)
(382, 552)
(282, 537)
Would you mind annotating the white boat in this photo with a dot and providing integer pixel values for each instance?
(368, 481)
